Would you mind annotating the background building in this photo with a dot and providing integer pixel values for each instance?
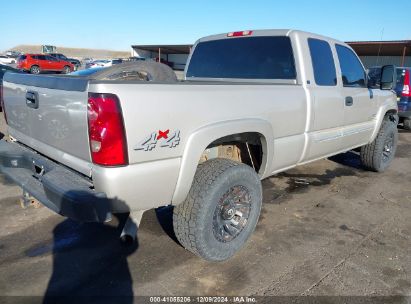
(374, 53)
(175, 55)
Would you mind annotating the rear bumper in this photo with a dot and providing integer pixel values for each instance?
(55, 186)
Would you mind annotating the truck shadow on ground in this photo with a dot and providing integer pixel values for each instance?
(285, 185)
(165, 219)
(349, 159)
(89, 262)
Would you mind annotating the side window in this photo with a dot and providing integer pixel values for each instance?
(353, 74)
(51, 58)
(41, 57)
(323, 62)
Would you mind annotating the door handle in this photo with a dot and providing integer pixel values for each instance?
(349, 101)
(32, 100)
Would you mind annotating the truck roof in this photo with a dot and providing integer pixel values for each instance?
(269, 32)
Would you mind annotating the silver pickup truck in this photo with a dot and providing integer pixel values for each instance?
(252, 104)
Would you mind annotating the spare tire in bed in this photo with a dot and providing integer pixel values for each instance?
(140, 70)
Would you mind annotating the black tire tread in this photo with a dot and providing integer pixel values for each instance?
(185, 213)
(369, 153)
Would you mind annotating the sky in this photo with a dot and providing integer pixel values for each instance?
(116, 25)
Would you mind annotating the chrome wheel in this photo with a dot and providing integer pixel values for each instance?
(231, 214)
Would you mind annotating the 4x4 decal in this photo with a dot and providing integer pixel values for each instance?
(163, 138)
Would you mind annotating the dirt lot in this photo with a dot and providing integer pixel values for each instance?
(328, 228)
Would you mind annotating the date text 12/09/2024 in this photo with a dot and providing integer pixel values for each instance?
(201, 299)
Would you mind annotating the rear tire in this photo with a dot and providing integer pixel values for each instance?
(407, 124)
(378, 155)
(35, 69)
(66, 70)
(140, 70)
(221, 210)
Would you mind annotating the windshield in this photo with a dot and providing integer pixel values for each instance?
(246, 58)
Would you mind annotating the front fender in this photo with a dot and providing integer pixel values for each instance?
(389, 104)
(204, 136)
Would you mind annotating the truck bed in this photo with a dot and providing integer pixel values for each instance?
(58, 127)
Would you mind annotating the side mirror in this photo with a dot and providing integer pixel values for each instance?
(388, 77)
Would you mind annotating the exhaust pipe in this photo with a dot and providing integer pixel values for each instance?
(129, 233)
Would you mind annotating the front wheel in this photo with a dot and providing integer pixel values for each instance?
(221, 210)
(378, 155)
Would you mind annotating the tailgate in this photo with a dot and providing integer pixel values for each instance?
(49, 114)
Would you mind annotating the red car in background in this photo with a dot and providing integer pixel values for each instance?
(37, 63)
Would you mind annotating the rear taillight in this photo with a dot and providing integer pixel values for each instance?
(107, 137)
(406, 88)
(239, 34)
(2, 102)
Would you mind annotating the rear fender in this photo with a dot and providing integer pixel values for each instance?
(201, 138)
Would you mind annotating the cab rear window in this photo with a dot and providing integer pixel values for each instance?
(244, 58)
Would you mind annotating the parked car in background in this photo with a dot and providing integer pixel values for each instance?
(98, 63)
(116, 61)
(402, 89)
(75, 62)
(103, 63)
(87, 72)
(13, 54)
(7, 60)
(37, 63)
(87, 60)
(3, 70)
(404, 96)
(135, 58)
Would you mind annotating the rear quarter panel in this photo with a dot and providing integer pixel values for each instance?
(149, 108)
(201, 113)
